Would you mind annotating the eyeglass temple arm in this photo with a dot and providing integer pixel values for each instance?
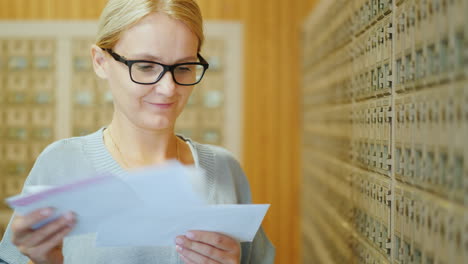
(116, 56)
(203, 61)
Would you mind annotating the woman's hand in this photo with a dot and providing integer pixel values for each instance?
(198, 247)
(41, 245)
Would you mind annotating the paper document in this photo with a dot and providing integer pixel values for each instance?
(36, 188)
(91, 200)
(147, 207)
(170, 185)
(148, 227)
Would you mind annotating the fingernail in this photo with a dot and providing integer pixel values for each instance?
(69, 216)
(190, 235)
(179, 241)
(46, 212)
(178, 248)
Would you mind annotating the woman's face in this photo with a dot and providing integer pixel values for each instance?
(156, 38)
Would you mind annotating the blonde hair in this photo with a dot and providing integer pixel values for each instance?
(119, 15)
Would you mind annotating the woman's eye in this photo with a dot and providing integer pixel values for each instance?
(184, 69)
(145, 67)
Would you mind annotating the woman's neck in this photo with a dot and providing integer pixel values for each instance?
(135, 147)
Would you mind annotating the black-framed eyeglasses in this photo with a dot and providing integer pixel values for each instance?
(150, 72)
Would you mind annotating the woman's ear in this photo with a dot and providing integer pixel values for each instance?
(99, 61)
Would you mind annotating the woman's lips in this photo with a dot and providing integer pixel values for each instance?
(162, 106)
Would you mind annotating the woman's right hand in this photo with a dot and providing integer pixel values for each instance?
(42, 245)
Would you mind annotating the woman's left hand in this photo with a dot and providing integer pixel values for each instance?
(198, 247)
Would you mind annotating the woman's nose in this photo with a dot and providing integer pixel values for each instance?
(166, 85)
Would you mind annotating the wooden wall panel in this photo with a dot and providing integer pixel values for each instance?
(271, 97)
(385, 150)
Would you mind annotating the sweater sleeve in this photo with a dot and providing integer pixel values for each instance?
(9, 253)
(50, 167)
(260, 250)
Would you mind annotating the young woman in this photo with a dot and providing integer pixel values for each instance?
(148, 51)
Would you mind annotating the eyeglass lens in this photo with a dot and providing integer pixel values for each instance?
(145, 72)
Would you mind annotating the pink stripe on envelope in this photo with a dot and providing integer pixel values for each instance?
(26, 200)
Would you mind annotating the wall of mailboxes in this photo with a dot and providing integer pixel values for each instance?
(385, 121)
(28, 104)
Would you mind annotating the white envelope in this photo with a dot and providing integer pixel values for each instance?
(153, 227)
(147, 207)
(170, 185)
(92, 200)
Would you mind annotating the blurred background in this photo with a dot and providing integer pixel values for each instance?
(349, 117)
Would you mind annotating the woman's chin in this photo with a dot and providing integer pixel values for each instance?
(158, 124)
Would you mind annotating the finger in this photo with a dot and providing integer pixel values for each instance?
(39, 235)
(54, 241)
(194, 256)
(212, 238)
(22, 224)
(186, 260)
(203, 249)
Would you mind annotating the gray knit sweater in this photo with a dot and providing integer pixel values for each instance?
(76, 158)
